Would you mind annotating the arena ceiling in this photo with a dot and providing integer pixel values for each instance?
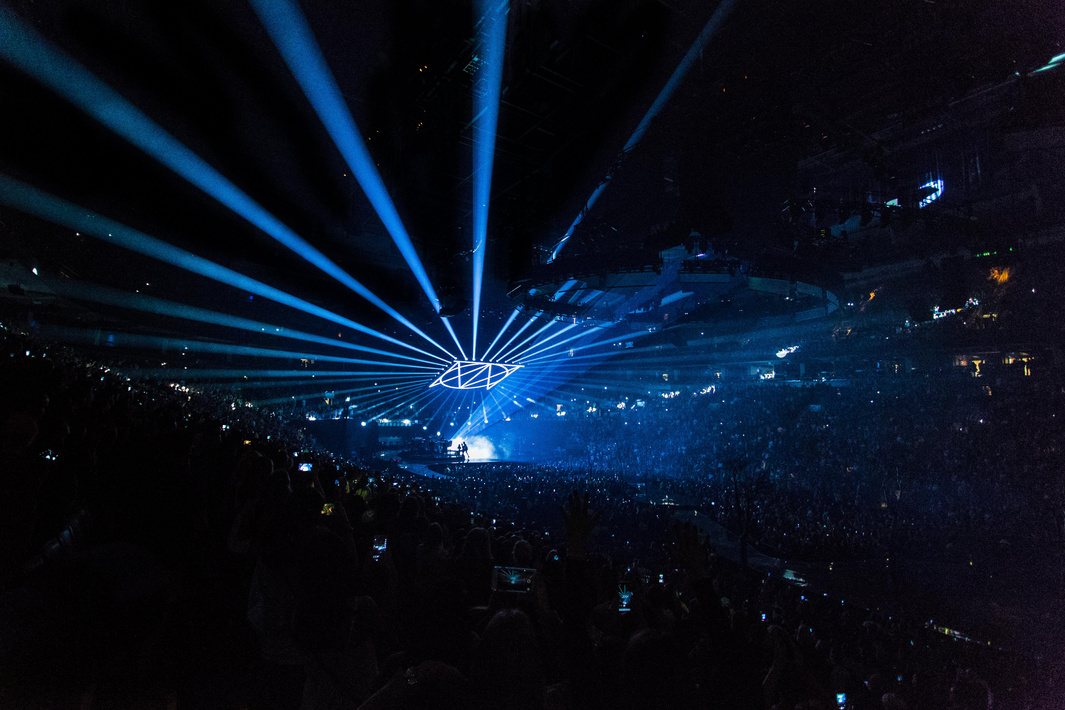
(230, 132)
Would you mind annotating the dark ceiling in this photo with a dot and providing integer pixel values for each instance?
(781, 82)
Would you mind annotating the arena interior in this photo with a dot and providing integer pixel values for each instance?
(532, 354)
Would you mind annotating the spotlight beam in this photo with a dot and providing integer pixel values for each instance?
(31, 200)
(450, 394)
(128, 340)
(619, 338)
(229, 373)
(433, 396)
(709, 30)
(317, 381)
(565, 287)
(533, 353)
(388, 399)
(404, 404)
(360, 394)
(517, 348)
(26, 49)
(314, 394)
(521, 330)
(492, 35)
(292, 35)
(158, 306)
(513, 315)
(543, 341)
(447, 324)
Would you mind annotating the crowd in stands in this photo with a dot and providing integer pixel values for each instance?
(930, 464)
(165, 549)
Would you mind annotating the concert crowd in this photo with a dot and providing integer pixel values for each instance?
(164, 547)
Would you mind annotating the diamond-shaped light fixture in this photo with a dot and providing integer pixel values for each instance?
(471, 375)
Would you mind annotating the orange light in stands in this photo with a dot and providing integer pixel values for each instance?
(999, 276)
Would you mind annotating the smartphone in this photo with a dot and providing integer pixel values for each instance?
(624, 598)
(512, 579)
(327, 509)
(661, 579)
(380, 544)
(306, 466)
(841, 699)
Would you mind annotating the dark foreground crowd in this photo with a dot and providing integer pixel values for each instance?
(160, 549)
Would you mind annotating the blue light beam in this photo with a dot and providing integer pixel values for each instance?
(532, 353)
(518, 347)
(29, 199)
(513, 315)
(555, 356)
(158, 306)
(521, 330)
(128, 340)
(291, 34)
(226, 374)
(492, 37)
(543, 341)
(24, 48)
(709, 30)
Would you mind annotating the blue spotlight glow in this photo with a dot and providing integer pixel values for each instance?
(31, 53)
(521, 330)
(447, 324)
(709, 29)
(30, 199)
(532, 353)
(544, 341)
(468, 375)
(290, 32)
(158, 306)
(571, 351)
(234, 374)
(513, 315)
(88, 335)
(491, 36)
(531, 337)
